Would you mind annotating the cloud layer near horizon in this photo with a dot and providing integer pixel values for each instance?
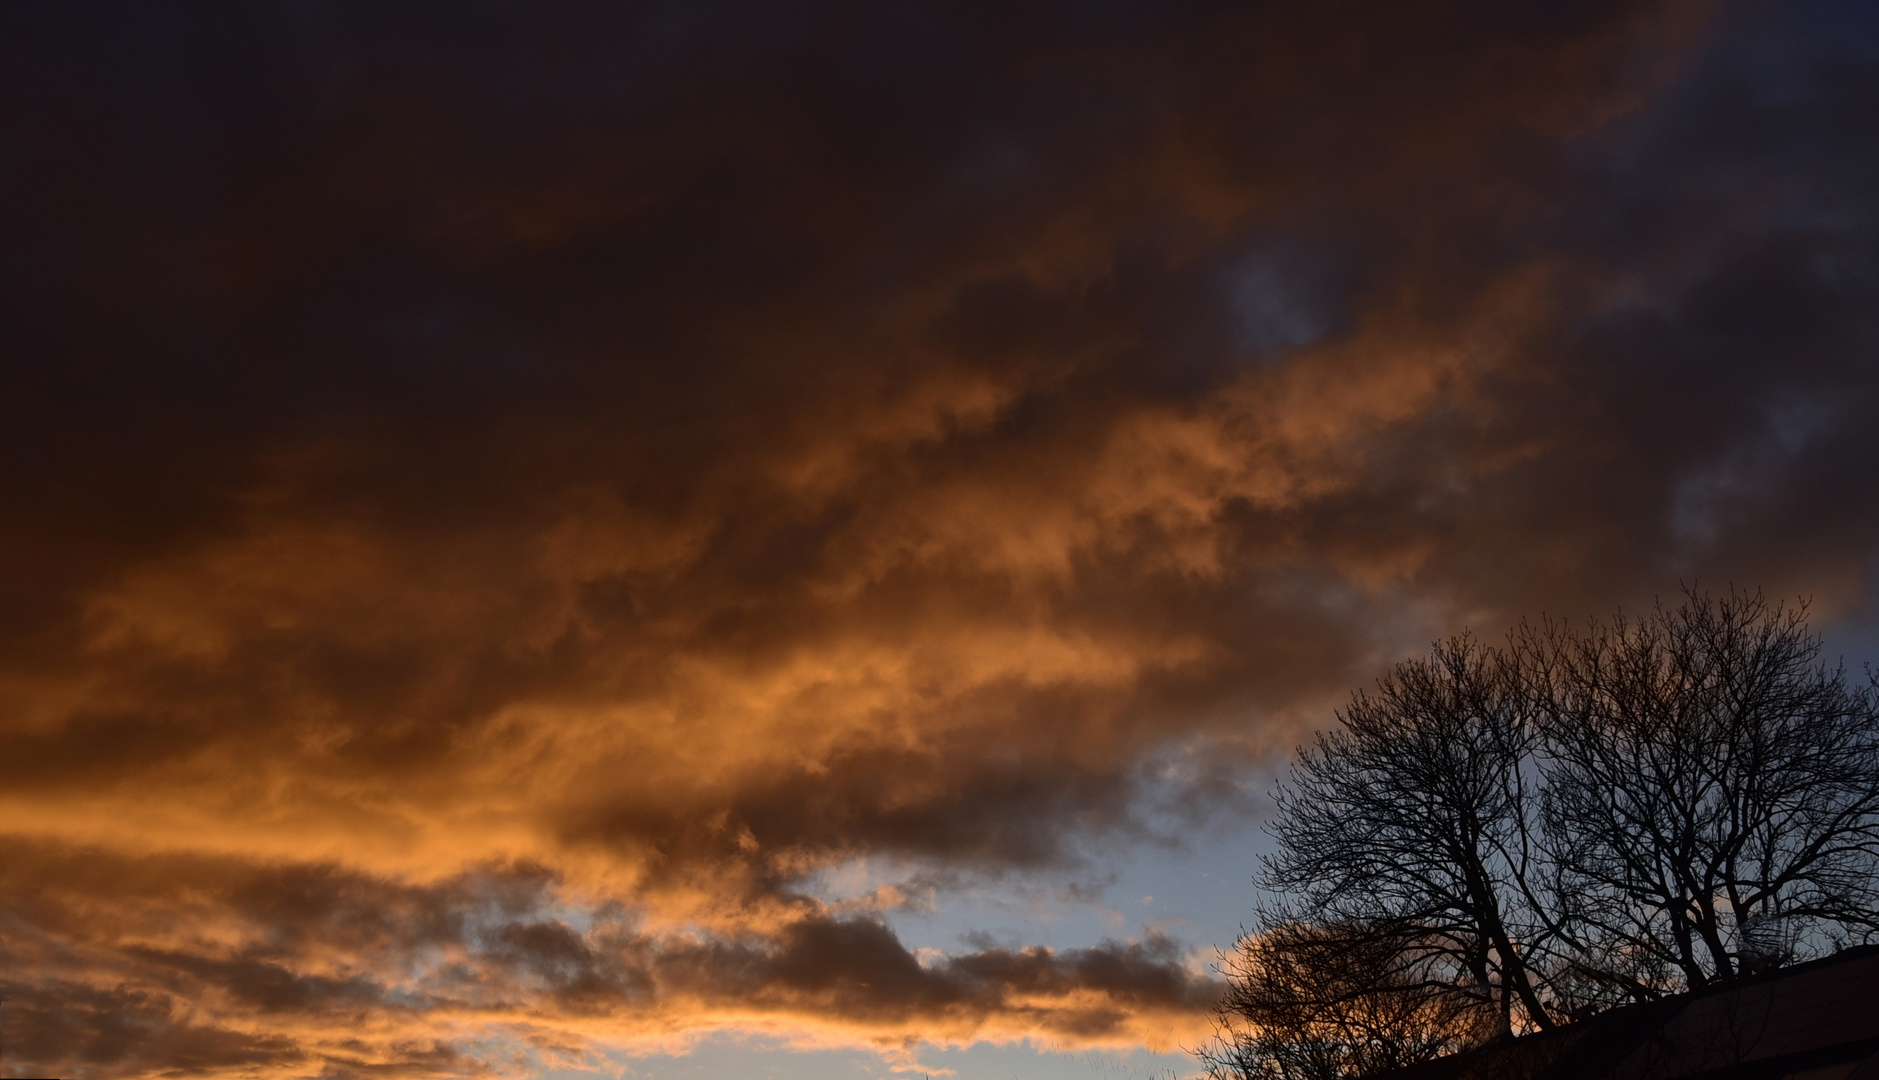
(499, 501)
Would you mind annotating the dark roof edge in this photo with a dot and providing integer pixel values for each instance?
(1627, 1024)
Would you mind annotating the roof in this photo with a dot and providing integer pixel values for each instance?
(1814, 1021)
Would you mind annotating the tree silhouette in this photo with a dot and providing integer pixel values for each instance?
(1499, 840)
(1414, 816)
(1712, 790)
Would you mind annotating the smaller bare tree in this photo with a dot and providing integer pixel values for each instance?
(1328, 1002)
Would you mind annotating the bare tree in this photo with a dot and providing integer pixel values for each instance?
(1712, 790)
(1416, 813)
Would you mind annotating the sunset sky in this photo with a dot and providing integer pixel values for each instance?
(790, 539)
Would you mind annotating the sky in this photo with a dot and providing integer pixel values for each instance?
(791, 539)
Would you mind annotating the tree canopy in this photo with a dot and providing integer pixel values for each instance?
(1498, 839)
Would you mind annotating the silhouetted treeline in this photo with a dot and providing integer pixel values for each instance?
(1502, 839)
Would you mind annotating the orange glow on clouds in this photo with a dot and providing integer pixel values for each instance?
(497, 516)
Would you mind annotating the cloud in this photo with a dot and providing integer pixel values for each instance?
(154, 963)
(499, 503)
